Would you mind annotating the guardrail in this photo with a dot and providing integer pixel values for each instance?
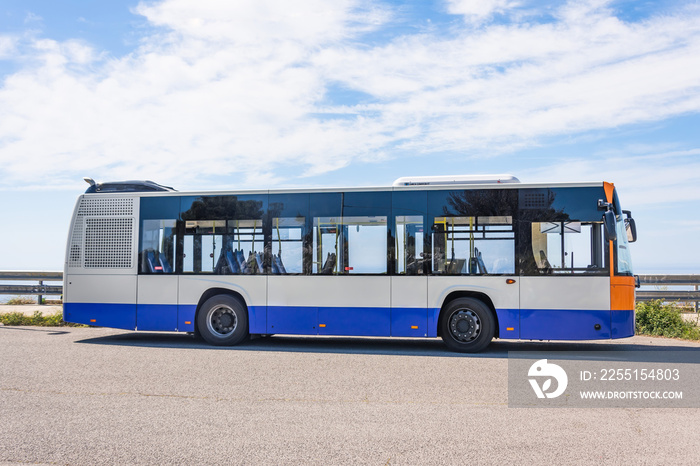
(689, 296)
(40, 289)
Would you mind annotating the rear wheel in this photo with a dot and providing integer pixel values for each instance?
(223, 321)
(467, 325)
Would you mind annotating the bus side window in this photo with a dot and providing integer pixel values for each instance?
(409, 244)
(350, 245)
(157, 252)
(287, 245)
(478, 245)
(568, 247)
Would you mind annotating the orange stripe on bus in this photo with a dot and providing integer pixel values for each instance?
(621, 293)
(609, 188)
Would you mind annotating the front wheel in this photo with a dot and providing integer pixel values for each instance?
(223, 321)
(467, 325)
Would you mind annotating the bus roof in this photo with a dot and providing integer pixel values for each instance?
(415, 184)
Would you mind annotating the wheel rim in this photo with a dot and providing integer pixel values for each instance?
(222, 321)
(465, 325)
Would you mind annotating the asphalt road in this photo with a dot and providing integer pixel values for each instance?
(100, 396)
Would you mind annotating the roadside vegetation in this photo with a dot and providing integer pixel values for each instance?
(37, 319)
(665, 320)
(20, 300)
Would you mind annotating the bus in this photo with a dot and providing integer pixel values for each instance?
(464, 258)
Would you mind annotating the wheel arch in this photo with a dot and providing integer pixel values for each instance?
(483, 297)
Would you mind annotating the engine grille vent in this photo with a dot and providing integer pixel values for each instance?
(102, 236)
(91, 207)
(108, 243)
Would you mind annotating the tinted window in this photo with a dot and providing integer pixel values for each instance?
(224, 234)
(291, 245)
(410, 234)
(473, 231)
(350, 232)
(157, 245)
(561, 231)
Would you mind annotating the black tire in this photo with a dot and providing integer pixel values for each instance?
(467, 325)
(223, 321)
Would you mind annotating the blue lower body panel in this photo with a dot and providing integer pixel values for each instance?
(622, 323)
(409, 322)
(292, 320)
(526, 324)
(101, 315)
(158, 317)
(508, 323)
(359, 321)
(547, 324)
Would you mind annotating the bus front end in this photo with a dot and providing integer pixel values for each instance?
(622, 280)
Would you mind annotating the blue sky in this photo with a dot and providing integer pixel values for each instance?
(272, 93)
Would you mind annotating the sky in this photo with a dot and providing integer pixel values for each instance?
(265, 94)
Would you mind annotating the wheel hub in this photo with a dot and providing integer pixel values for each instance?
(465, 325)
(222, 321)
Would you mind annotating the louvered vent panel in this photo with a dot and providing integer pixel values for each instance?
(115, 207)
(76, 244)
(108, 243)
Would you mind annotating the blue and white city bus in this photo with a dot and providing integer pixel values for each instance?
(466, 258)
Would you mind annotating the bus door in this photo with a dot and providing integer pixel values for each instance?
(565, 295)
(351, 256)
(157, 284)
(347, 290)
(409, 284)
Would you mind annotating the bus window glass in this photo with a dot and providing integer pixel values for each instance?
(623, 265)
(473, 245)
(223, 234)
(409, 244)
(157, 253)
(287, 245)
(351, 245)
(568, 247)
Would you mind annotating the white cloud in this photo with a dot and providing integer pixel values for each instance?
(476, 11)
(241, 89)
(32, 18)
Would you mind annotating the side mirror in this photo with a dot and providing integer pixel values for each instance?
(609, 218)
(630, 226)
(631, 230)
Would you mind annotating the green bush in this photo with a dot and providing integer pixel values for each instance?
(664, 319)
(37, 320)
(20, 300)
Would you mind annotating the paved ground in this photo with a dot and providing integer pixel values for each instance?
(100, 396)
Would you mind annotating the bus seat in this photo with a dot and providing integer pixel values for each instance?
(254, 263)
(259, 262)
(164, 264)
(242, 265)
(329, 265)
(232, 262)
(278, 259)
(220, 263)
(152, 263)
(273, 264)
(480, 261)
